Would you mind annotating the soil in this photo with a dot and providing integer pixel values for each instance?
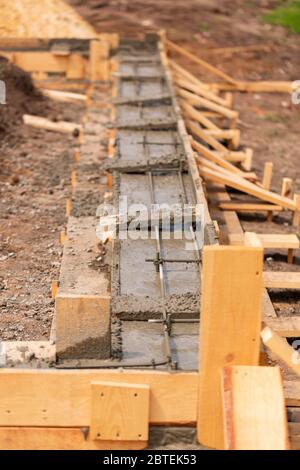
(34, 184)
(36, 165)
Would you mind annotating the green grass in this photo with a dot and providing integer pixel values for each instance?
(288, 16)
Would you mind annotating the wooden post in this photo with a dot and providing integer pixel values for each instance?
(230, 326)
(296, 218)
(286, 189)
(267, 178)
(99, 60)
(254, 409)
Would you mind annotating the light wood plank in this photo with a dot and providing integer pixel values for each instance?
(63, 398)
(254, 409)
(249, 188)
(229, 328)
(47, 438)
(282, 280)
(120, 411)
(281, 349)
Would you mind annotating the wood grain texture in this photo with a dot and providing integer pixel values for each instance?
(254, 409)
(120, 411)
(229, 328)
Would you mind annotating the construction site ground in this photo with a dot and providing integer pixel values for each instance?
(35, 164)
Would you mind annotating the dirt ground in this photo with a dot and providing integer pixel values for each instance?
(35, 165)
(34, 184)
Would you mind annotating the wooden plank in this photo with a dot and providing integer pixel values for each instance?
(31, 398)
(248, 207)
(190, 112)
(214, 157)
(203, 102)
(64, 96)
(252, 239)
(48, 438)
(267, 177)
(254, 409)
(256, 87)
(286, 189)
(199, 90)
(197, 60)
(281, 349)
(63, 398)
(287, 327)
(82, 308)
(120, 412)
(282, 280)
(182, 72)
(274, 240)
(249, 188)
(229, 328)
(45, 124)
(294, 433)
(99, 60)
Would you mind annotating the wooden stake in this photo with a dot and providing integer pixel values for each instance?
(286, 189)
(99, 60)
(267, 178)
(229, 328)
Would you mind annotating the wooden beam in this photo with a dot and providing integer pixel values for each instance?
(267, 178)
(63, 398)
(254, 409)
(282, 280)
(51, 438)
(214, 157)
(83, 299)
(229, 328)
(248, 207)
(201, 62)
(65, 96)
(252, 239)
(203, 102)
(192, 113)
(45, 124)
(281, 349)
(120, 412)
(199, 90)
(255, 87)
(286, 189)
(249, 188)
(99, 60)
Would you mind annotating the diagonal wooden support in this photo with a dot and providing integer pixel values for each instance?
(230, 323)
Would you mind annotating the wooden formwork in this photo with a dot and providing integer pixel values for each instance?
(113, 409)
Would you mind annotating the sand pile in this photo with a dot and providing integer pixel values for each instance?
(42, 19)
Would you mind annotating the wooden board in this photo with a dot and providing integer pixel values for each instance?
(31, 438)
(229, 328)
(120, 411)
(254, 409)
(82, 307)
(60, 398)
(63, 398)
(281, 349)
(282, 280)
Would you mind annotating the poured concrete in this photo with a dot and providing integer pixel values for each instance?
(143, 342)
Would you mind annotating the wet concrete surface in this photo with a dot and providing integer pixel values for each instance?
(144, 342)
